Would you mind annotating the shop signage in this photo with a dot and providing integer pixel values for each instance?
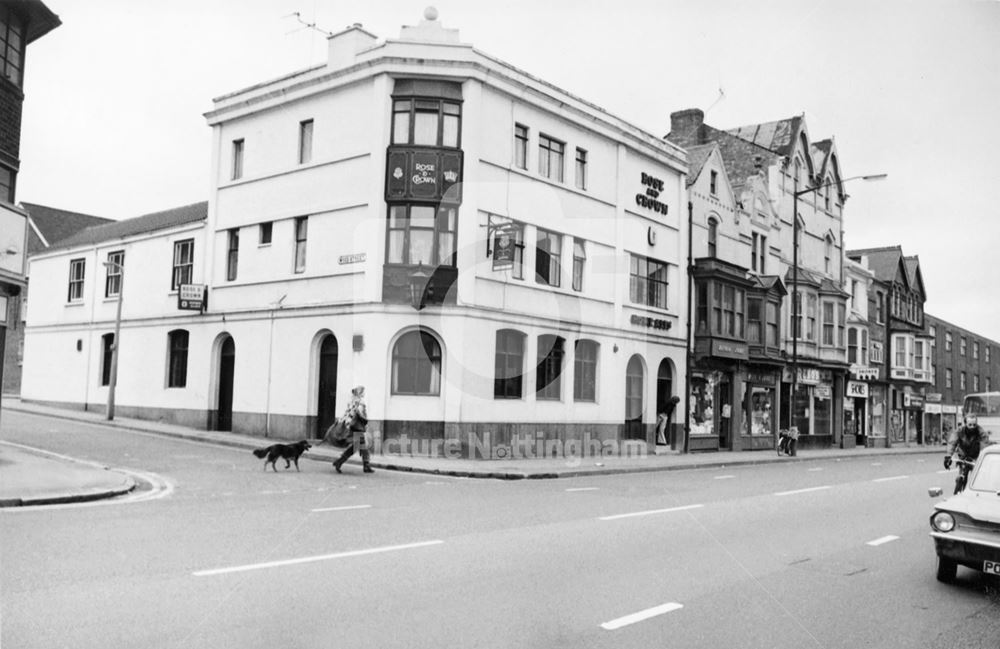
(192, 297)
(823, 391)
(651, 323)
(857, 389)
(933, 397)
(728, 349)
(865, 373)
(949, 410)
(648, 199)
(761, 378)
(504, 239)
(915, 401)
(933, 408)
(807, 375)
(352, 259)
(423, 174)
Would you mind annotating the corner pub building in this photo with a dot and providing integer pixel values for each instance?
(482, 250)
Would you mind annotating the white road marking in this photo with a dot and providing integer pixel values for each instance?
(818, 468)
(801, 491)
(340, 509)
(884, 539)
(944, 471)
(321, 557)
(724, 477)
(876, 464)
(641, 615)
(648, 512)
(435, 482)
(895, 477)
(583, 489)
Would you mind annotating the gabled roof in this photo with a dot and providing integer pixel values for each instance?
(769, 283)
(49, 225)
(885, 262)
(697, 156)
(913, 274)
(138, 225)
(778, 136)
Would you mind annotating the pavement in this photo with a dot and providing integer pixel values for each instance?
(34, 477)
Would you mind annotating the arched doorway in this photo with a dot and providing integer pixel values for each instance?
(326, 400)
(664, 405)
(227, 365)
(634, 379)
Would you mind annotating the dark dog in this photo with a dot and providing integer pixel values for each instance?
(288, 452)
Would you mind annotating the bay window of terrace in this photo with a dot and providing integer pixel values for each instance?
(721, 305)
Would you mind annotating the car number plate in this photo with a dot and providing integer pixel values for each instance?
(991, 567)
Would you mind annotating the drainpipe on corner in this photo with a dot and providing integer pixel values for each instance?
(687, 346)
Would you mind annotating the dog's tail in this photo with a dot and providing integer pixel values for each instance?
(260, 452)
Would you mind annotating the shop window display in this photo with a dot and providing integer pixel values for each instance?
(760, 418)
(703, 413)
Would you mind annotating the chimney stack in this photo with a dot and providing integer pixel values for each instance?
(343, 47)
(685, 126)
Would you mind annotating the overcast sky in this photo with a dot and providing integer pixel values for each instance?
(113, 123)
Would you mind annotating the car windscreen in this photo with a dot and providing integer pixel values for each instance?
(988, 476)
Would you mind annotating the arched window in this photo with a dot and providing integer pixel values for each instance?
(508, 380)
(416, 364)
(713, 234)
(633, 389)
(585, 370)
(177, 341)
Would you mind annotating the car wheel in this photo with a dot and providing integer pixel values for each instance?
(946, 570)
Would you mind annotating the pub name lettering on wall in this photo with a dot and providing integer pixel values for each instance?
(649, 200)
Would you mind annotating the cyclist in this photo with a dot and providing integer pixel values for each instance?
(966, 442)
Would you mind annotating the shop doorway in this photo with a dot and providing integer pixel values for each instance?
(227, 366)
(665, 407)
(326, 401)
(724, 399)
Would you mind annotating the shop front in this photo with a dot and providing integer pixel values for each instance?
(855, 414)
(811, 407)
(758, 430)
(878, 426)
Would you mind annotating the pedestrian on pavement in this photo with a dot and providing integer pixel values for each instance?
(967, 441)
(356, 419)
(663, 420)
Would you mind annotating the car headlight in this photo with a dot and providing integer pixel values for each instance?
(943, 522)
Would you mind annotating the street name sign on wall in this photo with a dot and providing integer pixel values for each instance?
(192, 297)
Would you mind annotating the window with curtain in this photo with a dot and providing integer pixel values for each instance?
(177, 341)
(421, 234)
(76, 274)
(183, 263)
(301, 234)
(508, 377)
(548, 255)
(426, 122)
(548, 371)
(585, 370)
(416, 364)
(113, 276)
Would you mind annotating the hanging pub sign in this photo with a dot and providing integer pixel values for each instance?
(192, 297)
(423, 174)
(504, 239)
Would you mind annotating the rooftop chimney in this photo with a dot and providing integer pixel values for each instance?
(685, 126)
(344, 46)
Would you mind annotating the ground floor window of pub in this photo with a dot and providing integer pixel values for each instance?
(421, 234)
(177, 373)
(585, 370)
(509, 364)
(548, 372)
(416, 364)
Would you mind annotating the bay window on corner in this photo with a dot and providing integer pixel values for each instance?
(426, 122)
(421, 235)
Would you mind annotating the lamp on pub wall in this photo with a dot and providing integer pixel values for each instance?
(113, 379)
(418, 285)
(796, 302)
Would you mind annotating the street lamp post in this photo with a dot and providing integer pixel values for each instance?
(796, 301)
(113, 379)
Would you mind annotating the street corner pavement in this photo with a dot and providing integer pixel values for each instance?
(36, 478)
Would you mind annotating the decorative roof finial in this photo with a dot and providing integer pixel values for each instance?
(430, 13)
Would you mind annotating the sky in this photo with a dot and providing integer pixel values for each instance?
(115, 98)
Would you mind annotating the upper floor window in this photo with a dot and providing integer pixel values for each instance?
(961, 380)
(880, 308)
(416, 364)
(947, 341)
(933, 331)
(829, 326)
(989, 384)
(548, 253)
(305, 141)
(266, 229)
(183, 263)
(987, 353)
(579, 259)
(758, 252)
(811, 301)
(975, 383)
(773, 326)
(232, 253)
(520, 146)
(713, 182)
(11, 45)
(826, 194)
(727, 304)
(585, 370)
(975, 349)
(828, 256)
(713, 235)
(426, 122)
(76, 274)
(508, 378)
(7, 177)
(177, 341)
(113, 278)
(852, 345)
(421, 234)
(548, 372)
(301, 232)
(947, 378)
(581, 168)
(648, 282)
(237, 169)
(755, 318)
(962, 345)
(550, 157)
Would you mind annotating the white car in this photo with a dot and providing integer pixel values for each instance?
(966, 527)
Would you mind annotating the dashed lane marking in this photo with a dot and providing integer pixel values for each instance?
(801, 491)
(895, 477)
(582, 489)
(649, 512)
(884, 539)
(724, 477)
(321, 557)
(818, 468)
(641, 615)
(340, 509)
